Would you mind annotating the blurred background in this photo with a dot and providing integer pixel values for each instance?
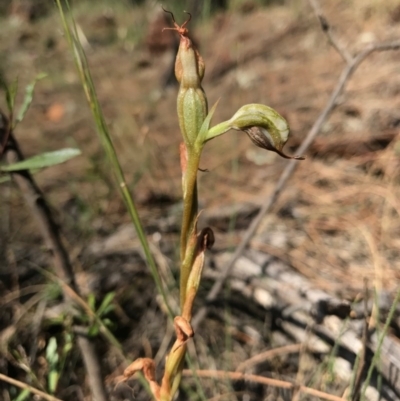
(336, 222)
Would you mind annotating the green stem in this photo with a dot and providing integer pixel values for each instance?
(190, 210)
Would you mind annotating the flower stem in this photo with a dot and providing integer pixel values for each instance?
(190, 210)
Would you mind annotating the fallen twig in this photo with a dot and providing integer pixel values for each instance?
(220, 374)
(326, 28)
(25, 386)
(271, 353)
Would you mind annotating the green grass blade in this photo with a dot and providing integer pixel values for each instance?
(28, 97)
(105, 138)
(11, 93)
(377, 353)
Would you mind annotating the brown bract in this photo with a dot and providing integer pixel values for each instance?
(148, 368)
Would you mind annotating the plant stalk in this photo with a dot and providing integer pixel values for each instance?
(190, 210)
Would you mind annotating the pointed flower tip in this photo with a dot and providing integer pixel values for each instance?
(262, 138)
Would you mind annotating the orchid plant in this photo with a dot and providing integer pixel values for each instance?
(266, 128)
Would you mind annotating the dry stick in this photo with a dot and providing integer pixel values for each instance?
(220, 374)
(326, 28)
(229, 394)
(51, 234)
(271, 353)
(24, 386)
(347, 72)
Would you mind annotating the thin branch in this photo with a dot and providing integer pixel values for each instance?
(221, 374)
(271, 353)
(326, 28)
(52, 237)
(25, 386)
(41, 211)
(227, 395)
(344, 77)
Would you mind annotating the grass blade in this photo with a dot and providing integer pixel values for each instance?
(105, 139)
(28, 97)
(382, 336)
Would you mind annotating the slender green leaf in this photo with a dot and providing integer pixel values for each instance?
(108, 323)
(92, 301)
(51, 352)
(105, 304)
(53, 381)
(11, 93)
(28, 97)
(23, 395)
(93, 330)
(201, 137)
(68, 343)
(46, 159)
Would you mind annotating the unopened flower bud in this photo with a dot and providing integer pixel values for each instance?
(192, 101)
